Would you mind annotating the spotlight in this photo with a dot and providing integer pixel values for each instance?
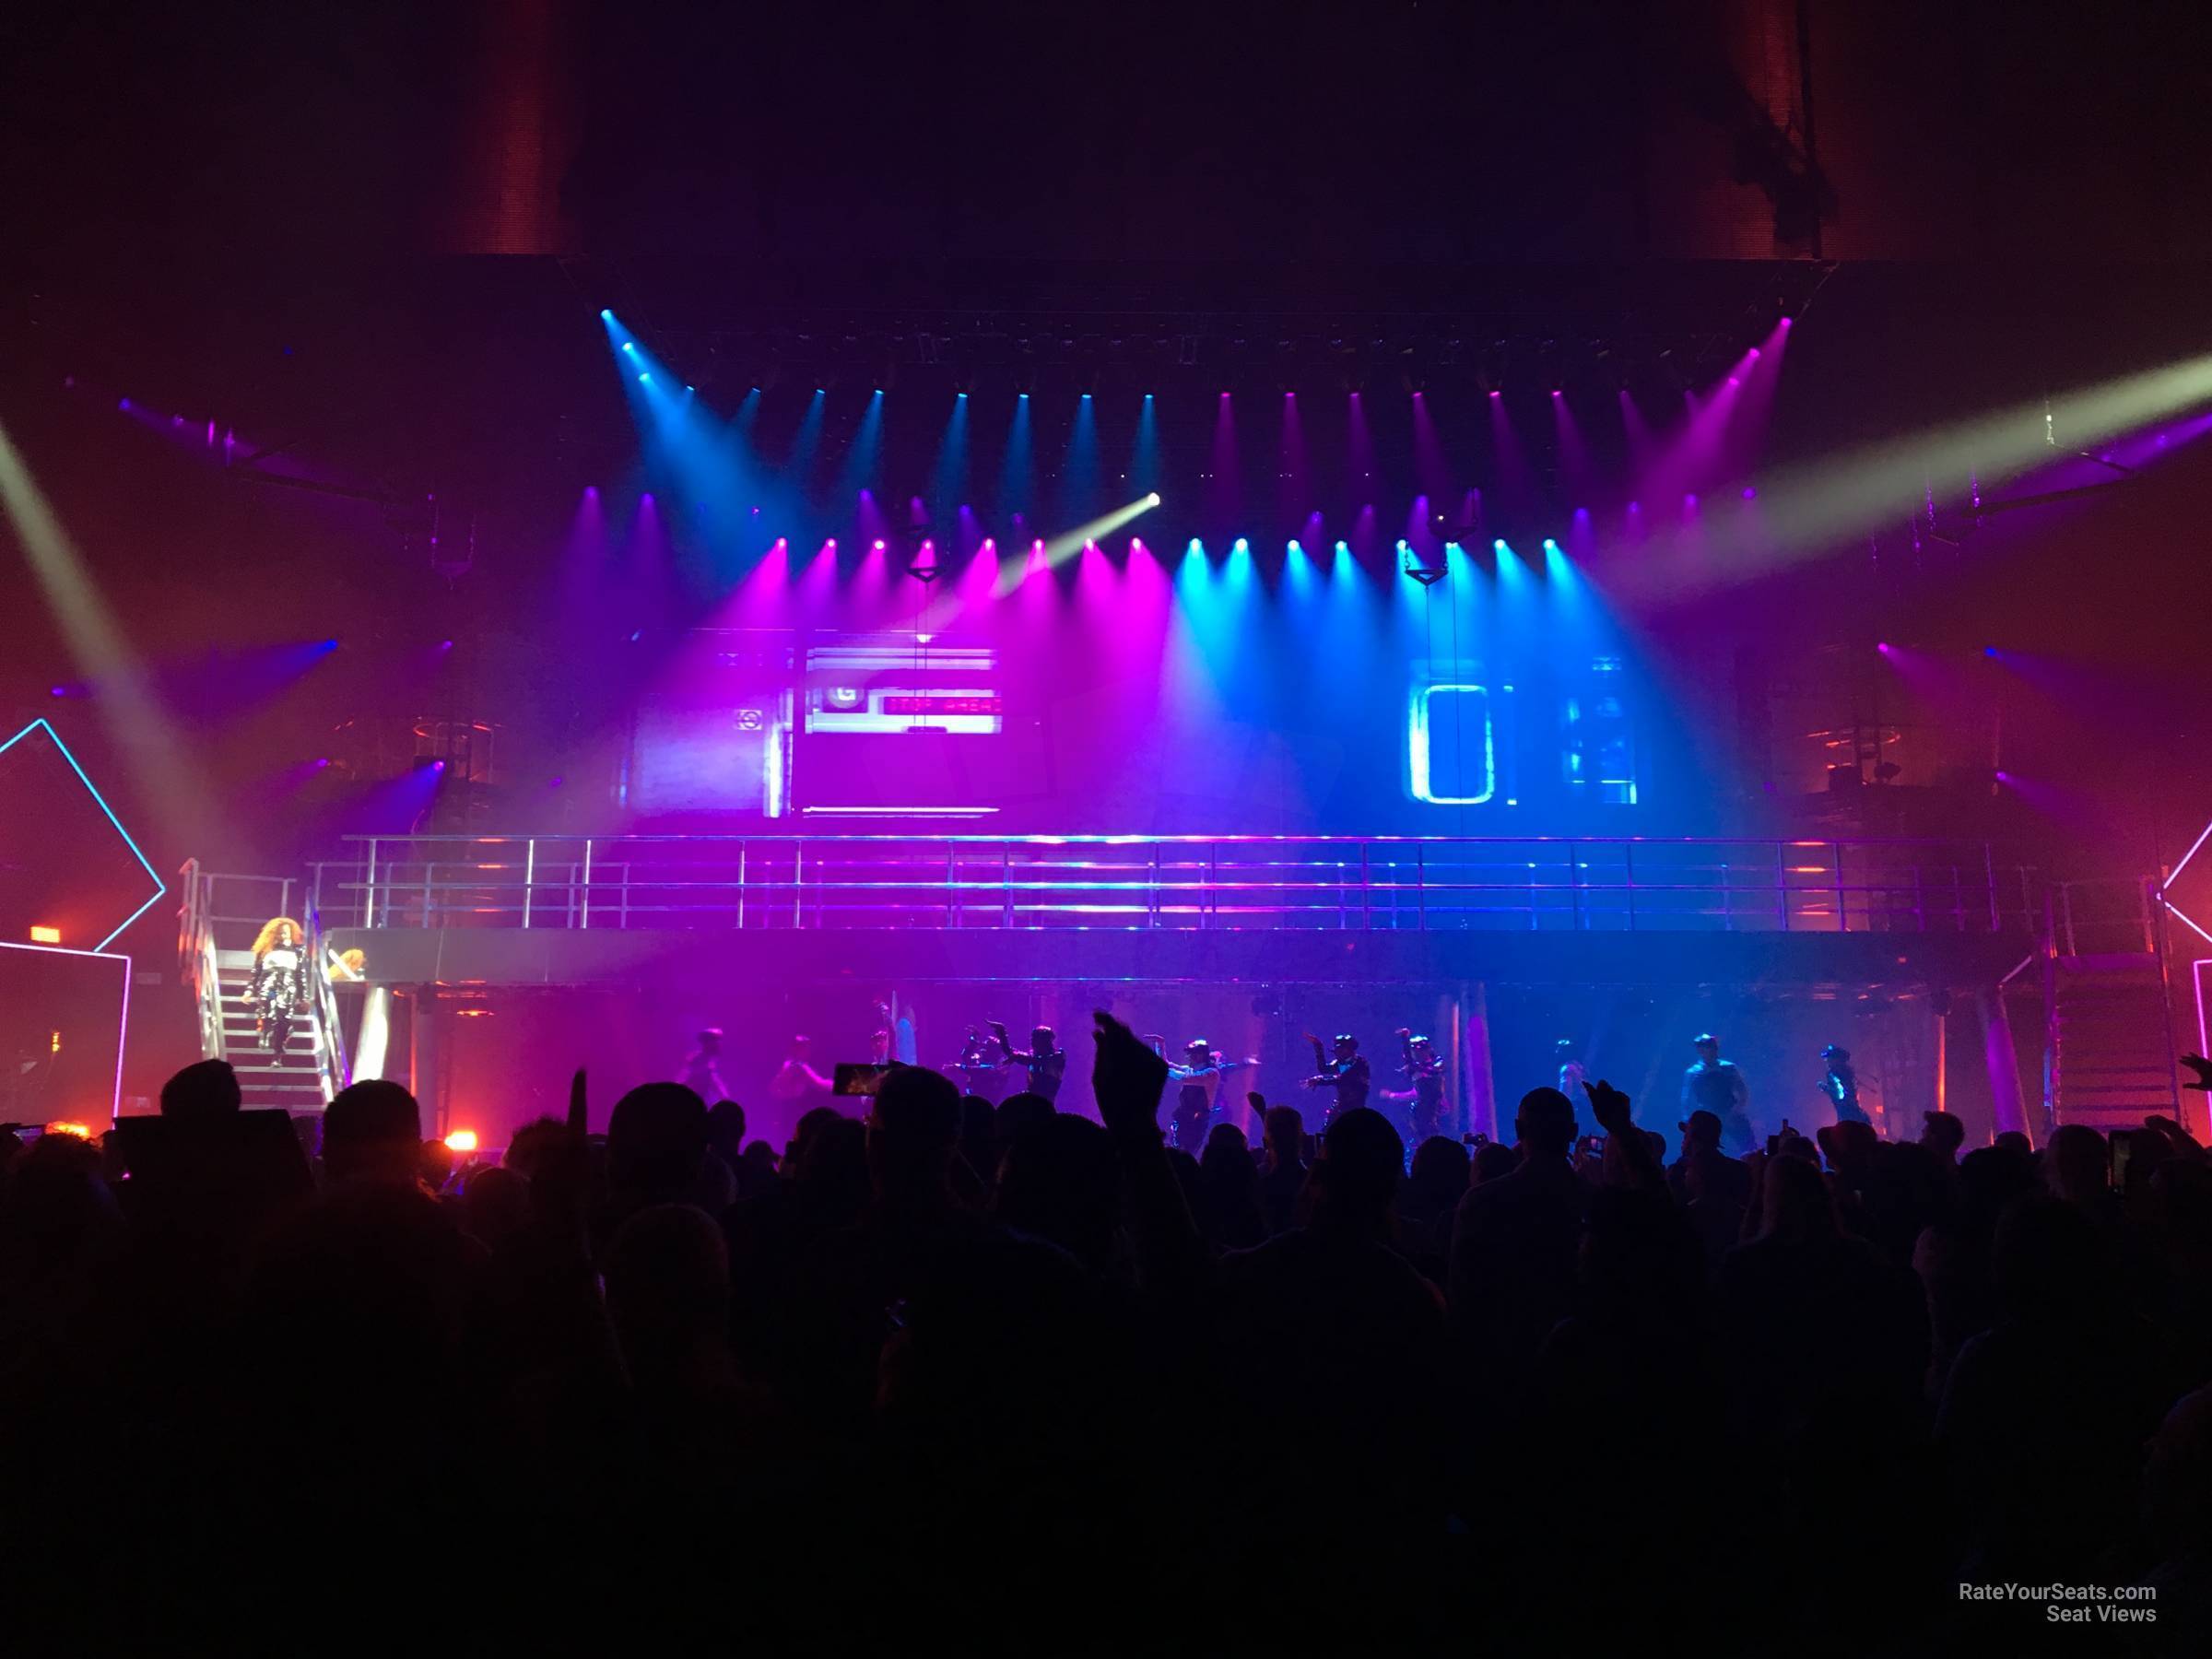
(607, 316)
(628, 348)
(878, 548)
(645, 380)
(1550, 546)
(1991, 650)
(1751, 494)
(1496, 547)
(1152, 500)
(461, 1140)
(1343, 548)
(1240, 545)
(1294, 547)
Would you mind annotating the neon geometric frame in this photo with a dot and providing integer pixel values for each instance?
(122, 1026)
(159, 886)
(1421, 776)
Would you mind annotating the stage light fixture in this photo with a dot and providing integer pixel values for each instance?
(461, 1140)
(1411, 564)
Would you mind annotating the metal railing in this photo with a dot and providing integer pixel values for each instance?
(1377, 883)
(331, 1061)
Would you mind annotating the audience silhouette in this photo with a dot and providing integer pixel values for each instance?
(1041, 1380)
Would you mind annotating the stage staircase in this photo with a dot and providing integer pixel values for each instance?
(2109, 1051)
(220, 918)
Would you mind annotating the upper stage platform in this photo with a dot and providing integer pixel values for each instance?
(655, 910)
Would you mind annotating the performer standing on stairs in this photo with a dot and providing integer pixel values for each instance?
(277, 990)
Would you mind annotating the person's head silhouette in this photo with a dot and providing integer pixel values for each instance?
(1357, 1176)
(913, 1127)
(1544, 1122)
(372, 1130)
(204, 1090)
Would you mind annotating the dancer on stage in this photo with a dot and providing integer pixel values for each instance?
(1198, 1102)
(1345, 1070)
(1424, 1070)
(1715, 1085)
(975, 1067)
(1840, 1085)
(277, 989)
(898, 1028)
(702, 1069)
(1044, 1062)
(796, 1083)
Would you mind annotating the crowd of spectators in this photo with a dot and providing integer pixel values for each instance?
(1016, 1380)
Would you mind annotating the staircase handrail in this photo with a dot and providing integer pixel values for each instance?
(334, 1065)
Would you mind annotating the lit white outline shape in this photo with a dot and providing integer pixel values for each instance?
(122, 1026)
(1417, 747)
(160, 887)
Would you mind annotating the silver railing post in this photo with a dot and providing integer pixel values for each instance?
(583, 906)
(369, 888)
(529, 876)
